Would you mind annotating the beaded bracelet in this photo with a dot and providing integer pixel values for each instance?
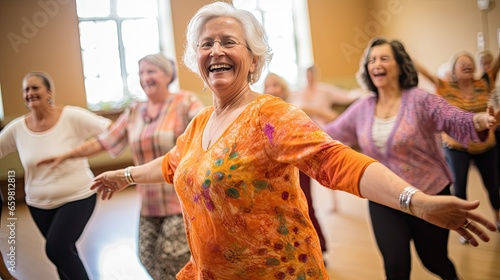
(405, 198)
(128, 176)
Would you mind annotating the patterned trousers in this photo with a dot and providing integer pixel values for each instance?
(163, 247)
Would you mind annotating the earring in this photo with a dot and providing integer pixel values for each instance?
(50, 101)
(251, 78)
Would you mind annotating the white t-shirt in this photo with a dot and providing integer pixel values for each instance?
(381, 130)
(46, 187)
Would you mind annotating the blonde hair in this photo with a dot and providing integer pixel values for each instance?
(283, 84)
(165, 64)
(482, 54)
(454, 58)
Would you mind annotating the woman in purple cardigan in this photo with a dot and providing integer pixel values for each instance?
(399, 126)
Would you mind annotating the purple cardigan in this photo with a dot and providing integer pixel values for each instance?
(414, 149)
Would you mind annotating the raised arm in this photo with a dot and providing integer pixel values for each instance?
(381, 185)
(433, 78)
(87, 149)
(327, 115)
(342, 96)
(496, 66)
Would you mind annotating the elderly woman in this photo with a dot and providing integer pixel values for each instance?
(470, 94)
(397, 125)
(276, 85)
(235, 167)
(59, 199)
(151, 128)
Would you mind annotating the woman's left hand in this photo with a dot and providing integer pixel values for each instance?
(495, 114)
(486, 120)
(108, 182)
(455, 214)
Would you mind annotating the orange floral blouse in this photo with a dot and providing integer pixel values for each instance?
(246, 216)
(476, 103)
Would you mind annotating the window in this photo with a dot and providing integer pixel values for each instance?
(114, 35)
(286, 24)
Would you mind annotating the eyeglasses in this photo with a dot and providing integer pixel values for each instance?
(225, 44)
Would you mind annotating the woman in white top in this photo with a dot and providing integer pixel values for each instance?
(59, 199)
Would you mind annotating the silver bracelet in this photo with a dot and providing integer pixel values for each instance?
(128, 176)
(405, 198)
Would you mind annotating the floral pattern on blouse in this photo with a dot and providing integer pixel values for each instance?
(245, 213)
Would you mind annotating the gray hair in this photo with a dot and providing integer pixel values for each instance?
(166, 65)
(46, 79)
(480, 56)
(252, 30)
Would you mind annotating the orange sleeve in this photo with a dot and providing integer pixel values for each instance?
(344, 170)
(296, 140)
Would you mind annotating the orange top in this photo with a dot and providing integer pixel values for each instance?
(475, 103)
(246, 216)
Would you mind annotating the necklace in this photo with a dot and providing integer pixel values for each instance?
(145, 116)
(210, 134)
(229, 110)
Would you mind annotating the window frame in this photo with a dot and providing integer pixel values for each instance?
(302, 43)
(166, 46)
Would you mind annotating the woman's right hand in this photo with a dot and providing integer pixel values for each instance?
(53, 161)
(108, 182)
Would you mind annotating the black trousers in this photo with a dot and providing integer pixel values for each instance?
(487, 165)
(62, 227)
(394, 230)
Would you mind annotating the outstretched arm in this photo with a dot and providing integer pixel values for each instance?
(381, 185)
(487, 120)
(87, 149)
(342, 96)
(109, 182)
(433, 78)
(496, 66)
(327, 115)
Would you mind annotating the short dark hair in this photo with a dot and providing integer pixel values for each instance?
(409, 73)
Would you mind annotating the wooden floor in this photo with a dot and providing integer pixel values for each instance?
(108, 246)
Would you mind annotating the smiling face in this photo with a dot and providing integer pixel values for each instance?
(383, 68)
(35, 92)
(464, 68)
(224, 68)
(154, 81)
